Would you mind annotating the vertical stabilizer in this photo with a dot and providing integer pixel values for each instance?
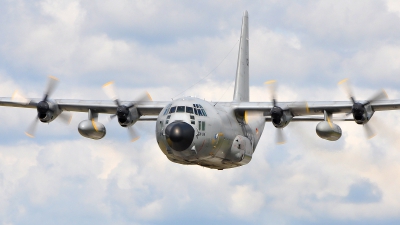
(241, 93)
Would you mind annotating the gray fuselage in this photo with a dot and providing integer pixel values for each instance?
(216, 131)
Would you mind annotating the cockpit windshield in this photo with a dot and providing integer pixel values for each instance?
(172, 110)
(196, 109)
(189, 109)
(180, 109)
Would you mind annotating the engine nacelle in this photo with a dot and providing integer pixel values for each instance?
(127, 119)
(362, 113)
(47, 111)
(283, 120)
(92, 129)
(328, 131)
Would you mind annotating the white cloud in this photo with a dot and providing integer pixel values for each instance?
(164, 47)
(246, 201)
(393, 6)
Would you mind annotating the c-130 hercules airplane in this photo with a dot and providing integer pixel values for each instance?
(192, 131)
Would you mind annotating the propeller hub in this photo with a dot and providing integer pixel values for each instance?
(179, 135)
(43, 107)
(358, 111)
(122, 113)
(276, 114)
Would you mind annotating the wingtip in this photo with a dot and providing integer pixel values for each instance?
(245, 13)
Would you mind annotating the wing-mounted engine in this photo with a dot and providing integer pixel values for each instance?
(47, 110)
(127, 115)
(363, 111)
(280, 117)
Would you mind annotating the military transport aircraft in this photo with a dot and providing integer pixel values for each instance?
(192, 131)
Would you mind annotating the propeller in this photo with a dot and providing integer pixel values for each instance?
(276, 113)
(280, 137)
(358, 109)
(123, 110)
(43, 106)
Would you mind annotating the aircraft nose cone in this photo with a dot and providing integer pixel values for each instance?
(179, 135)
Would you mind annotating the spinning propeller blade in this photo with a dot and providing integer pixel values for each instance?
(133, 134)
(369, 132)
(277, 113)
(280, 137)
(123, 110)
(65, 117)
(357, 106)
(43, 106)
(30, 132)
(51, 86)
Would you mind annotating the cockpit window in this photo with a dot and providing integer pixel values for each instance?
(172, 110)
(200, 112)
(167, 109)
(204, 112)
(180, 109)
(189, 109)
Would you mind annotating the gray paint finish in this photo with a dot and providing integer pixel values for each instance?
(241, 93)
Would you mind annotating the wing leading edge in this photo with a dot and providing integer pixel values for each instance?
(149, 108)
(153, 108)
(314, 108)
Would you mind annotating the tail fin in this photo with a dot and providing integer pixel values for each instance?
(241, 93)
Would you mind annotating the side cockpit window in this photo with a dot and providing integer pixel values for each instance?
(199, 110)
(172, 110)
(167, 109)
(204, 112)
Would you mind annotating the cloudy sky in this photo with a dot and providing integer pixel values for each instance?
(164, 47)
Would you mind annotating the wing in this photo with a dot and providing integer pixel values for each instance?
(314, 108)
(145, 108)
